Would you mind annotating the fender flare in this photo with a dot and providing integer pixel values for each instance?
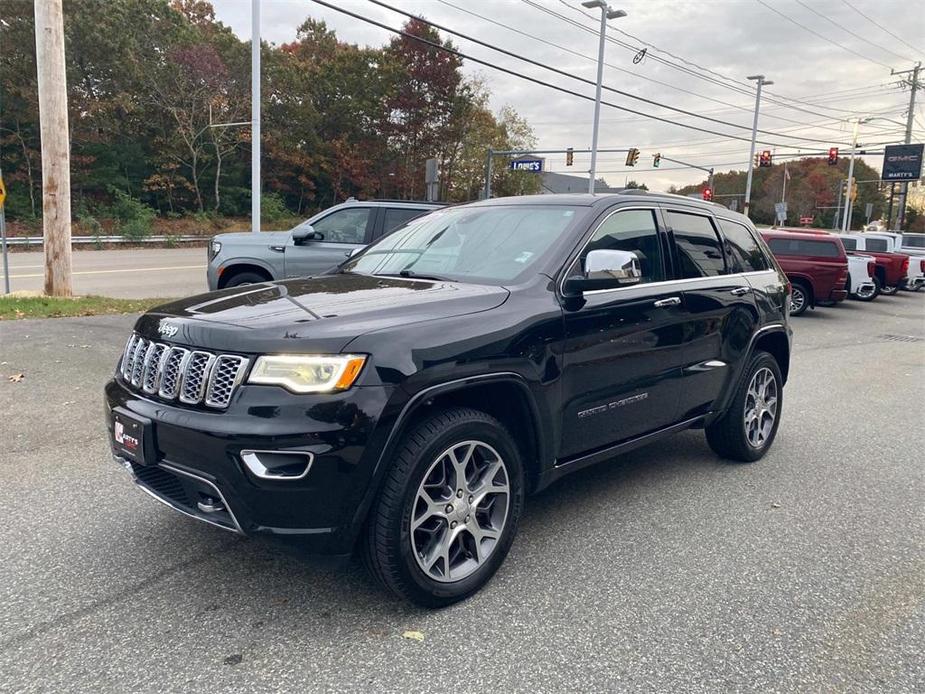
(235, 262)
(399, 426)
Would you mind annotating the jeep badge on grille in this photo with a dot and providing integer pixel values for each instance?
(166, 328)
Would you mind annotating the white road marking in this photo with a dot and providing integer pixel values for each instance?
(108, 272)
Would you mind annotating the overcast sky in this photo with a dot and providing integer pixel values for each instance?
(731, 38)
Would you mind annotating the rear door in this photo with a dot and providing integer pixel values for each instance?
(344, 230)
(720, 315)
(622, 362)
(394, 217)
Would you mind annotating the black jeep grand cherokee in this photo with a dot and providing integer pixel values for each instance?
(410, 398)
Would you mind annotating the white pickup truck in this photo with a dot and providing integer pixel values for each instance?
(903, 243)
(861, 285)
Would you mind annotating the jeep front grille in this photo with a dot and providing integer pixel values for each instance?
(177, 373)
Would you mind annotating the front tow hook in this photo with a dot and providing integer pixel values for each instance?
(210, 505)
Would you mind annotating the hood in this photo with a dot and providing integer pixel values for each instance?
(313, 313)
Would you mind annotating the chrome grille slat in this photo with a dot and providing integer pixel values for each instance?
(170, 372)
(226, 374)
(195, 377)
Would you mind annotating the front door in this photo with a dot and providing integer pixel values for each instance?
(622, 362)
(344, 230)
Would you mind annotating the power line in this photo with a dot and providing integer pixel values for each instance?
(848, 31)
(569, 75)
(744, 89)
(873, 21)
(743, 108)
(821, 36)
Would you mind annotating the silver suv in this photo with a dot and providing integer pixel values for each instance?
(317, 244)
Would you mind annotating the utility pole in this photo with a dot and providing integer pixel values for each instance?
(56, 169)
(255, 116)
(606, 13)
(913, 83)
(848, 201)
(761, 82)
(783, 191)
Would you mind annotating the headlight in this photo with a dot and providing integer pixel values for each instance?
(215, 248)
(308, 374)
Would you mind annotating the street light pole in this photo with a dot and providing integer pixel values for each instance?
(255, 116)
(606, 13)
(761, 82)
(904, 186)
(848, 202)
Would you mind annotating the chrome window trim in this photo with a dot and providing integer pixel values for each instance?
(680, 281)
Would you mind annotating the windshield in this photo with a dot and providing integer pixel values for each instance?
(477, 244)
(914, 240)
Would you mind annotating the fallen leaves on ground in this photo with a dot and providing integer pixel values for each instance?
(413, 635)
(16, 378)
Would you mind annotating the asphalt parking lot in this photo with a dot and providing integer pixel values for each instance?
(664, 570)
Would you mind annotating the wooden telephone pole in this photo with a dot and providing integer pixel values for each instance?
(56, 169)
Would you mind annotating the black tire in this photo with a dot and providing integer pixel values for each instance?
(873, 295)
(388, 549)
(727, 435)
(241, 278)
(799, 299)
(889, 291)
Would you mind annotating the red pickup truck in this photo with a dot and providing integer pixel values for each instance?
(892, 267)
(815, 263)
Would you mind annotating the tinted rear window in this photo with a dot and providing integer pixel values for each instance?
(850, 244)
(914, 240)
(816, 249)
(742, 248)
(877, 245)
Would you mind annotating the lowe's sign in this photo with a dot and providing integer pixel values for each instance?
(902, 163)
(534, 165)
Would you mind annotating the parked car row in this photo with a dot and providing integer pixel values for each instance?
(825, 268)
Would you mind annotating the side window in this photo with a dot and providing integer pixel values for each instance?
(396, 216)
(344, 226)
(699, 249)
(743, 252)
(636, 231)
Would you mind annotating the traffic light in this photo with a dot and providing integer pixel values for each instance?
(632, 156)
(569, 156)
(765, 158)
(656, 160)
(833, 156)
(708, 193)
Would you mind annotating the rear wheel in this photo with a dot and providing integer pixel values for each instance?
(747, 429)
(448, 510)
(799, 299)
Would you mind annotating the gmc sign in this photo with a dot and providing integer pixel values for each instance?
(902, 163)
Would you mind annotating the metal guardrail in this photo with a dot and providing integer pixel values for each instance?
(160, 238)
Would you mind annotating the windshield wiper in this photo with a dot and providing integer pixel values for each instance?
(410, 274)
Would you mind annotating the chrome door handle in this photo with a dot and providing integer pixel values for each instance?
(278, 249)
(670, 301)
(740, 291)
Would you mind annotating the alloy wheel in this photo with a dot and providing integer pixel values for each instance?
(760, 407)
(459, 511)
(797, 300)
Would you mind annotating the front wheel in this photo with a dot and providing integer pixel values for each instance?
(868, 293)
(448, 509)
(747, 429)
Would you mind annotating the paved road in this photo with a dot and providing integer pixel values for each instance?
(124, 274)
(665, 570)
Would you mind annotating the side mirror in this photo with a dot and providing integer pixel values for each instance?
(306, 233)
(606, 269)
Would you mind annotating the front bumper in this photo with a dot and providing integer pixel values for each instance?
(197, 467)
